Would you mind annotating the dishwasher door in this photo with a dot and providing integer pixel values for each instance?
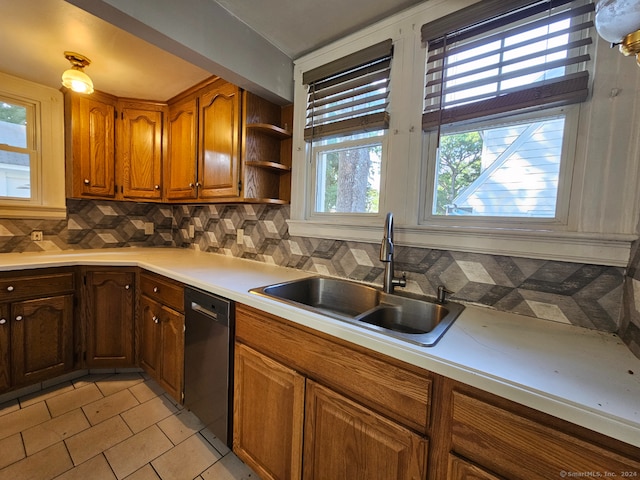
(208, 360)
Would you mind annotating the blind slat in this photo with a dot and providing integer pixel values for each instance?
(361, 57)
(349, 95)
(564, 91)
(491, 72)
(367, 123)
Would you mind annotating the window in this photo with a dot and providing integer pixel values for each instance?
(491, 106)
(17, 148)
(346, 126)
(31, 150)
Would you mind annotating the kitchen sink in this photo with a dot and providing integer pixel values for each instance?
(413, 319)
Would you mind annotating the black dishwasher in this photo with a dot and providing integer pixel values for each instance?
(208, 360)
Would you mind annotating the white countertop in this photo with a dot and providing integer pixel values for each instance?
(583, 376)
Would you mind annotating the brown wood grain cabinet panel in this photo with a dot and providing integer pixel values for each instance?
(18, 286)
(150, 335)
(163, 290)
(460, 469)
(90, 145)
(140, 144)
(400, 392)
(267, 415)
(110, 311)
(41, 338)
(219, 128)
(171, 376)
(345, 440)
(182, 156)
(5, 348)
(519, 448)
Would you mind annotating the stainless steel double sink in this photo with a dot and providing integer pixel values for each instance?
(409, 318)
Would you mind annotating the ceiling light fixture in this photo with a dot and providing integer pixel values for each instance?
(618, 22)
(75, 78)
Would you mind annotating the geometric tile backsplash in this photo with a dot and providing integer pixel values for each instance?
(581, 294)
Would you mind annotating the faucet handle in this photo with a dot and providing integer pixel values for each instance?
(442, 294)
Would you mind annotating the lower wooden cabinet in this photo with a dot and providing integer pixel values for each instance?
(41, 338)
(36, 326)
(267, 415)
(301, 420)
(161, 330)
(109, 310)
(343, 439)
(162, 345)
(350, 432)
(495, 435)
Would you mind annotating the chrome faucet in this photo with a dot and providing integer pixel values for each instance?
(386, 256)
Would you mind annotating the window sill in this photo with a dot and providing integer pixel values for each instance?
(590, 248)
(39, 212)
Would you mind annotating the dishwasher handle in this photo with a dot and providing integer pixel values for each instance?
(196, 307)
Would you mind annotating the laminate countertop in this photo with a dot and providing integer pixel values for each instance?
(583, 376)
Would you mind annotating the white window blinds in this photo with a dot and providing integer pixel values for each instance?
(349, 95)
(496, 57)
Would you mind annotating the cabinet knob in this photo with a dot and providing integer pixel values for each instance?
(157, 187)
(191, 185)
(198, 184)
(18, 318)
(10, 288)
(86, 181)
(155, 319)
(127, 287)
(156, 289)
(3, 321)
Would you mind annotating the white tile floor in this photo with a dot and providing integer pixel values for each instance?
(109, 426)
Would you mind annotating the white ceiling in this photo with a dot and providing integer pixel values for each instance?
(34, 35)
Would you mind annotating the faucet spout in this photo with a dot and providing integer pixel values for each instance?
(386, 256)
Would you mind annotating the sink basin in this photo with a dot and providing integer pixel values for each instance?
(415, 320)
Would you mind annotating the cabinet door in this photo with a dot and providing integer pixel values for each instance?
(218, 168)
(171, 376)
(268, 415)
(110, 318)
(182, 159)
(140, 152)
(460, 469)
(5, 358)
(343, 439)
(150, 336)
(41, 338)
(94, 148)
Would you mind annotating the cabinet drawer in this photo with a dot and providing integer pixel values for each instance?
(162, 290)
(403, 394)
(517, 447)
(35, 285)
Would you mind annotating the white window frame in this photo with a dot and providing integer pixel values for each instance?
(47, 197)
(605, 199)
(314, 150)
(565, 180)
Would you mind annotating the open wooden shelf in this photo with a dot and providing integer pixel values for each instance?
(274, 166)
(270, 129)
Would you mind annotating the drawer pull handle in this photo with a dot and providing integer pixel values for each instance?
(10, 288)
(18, 318)
(156, 289)
(3, 321)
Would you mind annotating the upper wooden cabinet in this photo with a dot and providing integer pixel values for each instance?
(180, 166)
(204, 145)
(90, 145)
(211, 143)
(114, 147)
(140, 146)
